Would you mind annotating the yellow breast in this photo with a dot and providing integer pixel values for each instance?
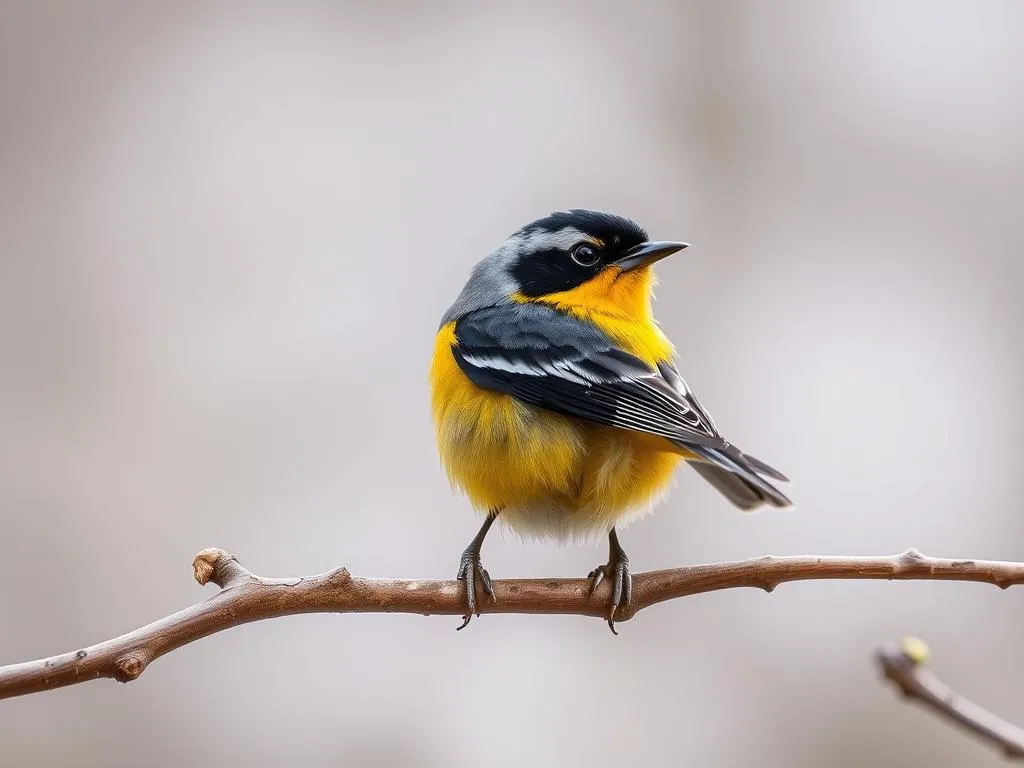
(499, 450)
(550, 474)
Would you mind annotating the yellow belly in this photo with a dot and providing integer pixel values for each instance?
(547, 473)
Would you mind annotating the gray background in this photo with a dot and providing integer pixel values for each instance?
(227, 233)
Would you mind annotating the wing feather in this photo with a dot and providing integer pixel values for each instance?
(550, 359)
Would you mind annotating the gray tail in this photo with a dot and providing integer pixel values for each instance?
(738, 477)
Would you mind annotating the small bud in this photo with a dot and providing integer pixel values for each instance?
(129, 668)
(205, 564)
(915, 649)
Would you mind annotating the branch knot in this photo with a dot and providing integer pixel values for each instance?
(204, 565)
(339, 577)
(218, 566)
(131, 666)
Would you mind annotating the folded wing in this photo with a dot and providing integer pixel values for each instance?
(549, 359)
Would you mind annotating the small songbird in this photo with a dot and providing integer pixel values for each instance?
(556, 399)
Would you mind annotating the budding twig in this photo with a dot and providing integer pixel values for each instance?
(904, 665)
(245, 597)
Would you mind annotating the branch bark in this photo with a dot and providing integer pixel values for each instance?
(245, 597)
(904, 665)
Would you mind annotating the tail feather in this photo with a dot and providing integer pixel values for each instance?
(737, 490)
(763, 469)
(738, 477)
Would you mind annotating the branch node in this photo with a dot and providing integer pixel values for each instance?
(218, 566)
(130, 667)
(910, 559)
(204, 565)
(339, 577)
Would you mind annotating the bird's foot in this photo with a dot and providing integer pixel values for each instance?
(617, 572)
(471, 569)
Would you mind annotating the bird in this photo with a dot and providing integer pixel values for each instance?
(557, 401)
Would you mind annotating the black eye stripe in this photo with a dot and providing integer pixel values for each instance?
(549, 271)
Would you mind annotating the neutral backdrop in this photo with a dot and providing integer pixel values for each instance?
(228, 231)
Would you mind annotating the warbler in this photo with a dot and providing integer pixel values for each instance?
(556, 398)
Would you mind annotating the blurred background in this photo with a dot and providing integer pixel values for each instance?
(228, 232)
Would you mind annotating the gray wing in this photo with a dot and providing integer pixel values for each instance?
(547, 358)
(552, 360)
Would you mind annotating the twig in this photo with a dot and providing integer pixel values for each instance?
(905, 666)
(245, 597)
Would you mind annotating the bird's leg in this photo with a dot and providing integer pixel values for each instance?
(617, 570)
(470, 569)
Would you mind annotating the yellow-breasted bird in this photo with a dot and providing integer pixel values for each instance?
(556, 398)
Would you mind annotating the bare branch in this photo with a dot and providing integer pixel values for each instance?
(245, 597)
(905, 666)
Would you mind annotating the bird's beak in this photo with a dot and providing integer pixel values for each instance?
(645, 254)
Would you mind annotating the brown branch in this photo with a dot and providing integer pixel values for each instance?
(905, 666)
(245, 597)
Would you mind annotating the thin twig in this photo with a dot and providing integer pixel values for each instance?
(245, 597)
(905, 666)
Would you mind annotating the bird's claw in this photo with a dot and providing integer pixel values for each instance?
(471, 569)
(617, 571)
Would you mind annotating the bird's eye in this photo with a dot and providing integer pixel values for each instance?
(584, 255)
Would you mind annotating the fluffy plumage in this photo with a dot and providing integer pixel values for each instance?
(555, 396)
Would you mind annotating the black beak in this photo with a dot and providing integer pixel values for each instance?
(645, 254)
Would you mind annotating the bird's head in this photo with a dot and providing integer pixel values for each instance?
(567, 249)
(576, 257)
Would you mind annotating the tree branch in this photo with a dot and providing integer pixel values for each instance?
(245, 597)
(905, 666)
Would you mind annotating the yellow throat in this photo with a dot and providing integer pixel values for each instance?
(619, 303)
